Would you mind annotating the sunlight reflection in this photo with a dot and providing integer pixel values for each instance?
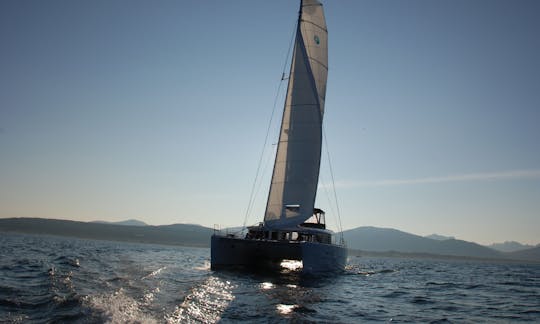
(204, 303)
(285, 309)
(267, 285)
(292, 265)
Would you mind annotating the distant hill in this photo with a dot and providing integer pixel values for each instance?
(510, 246)
(129, 222)
(532, 254)
(385, 240)
(440, 237)
(177, 234)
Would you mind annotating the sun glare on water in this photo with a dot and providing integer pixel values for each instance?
(292, 265)
(267, 285)
(284, 309)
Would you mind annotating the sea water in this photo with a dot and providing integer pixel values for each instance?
(53, 279)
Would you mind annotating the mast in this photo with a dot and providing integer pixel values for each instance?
(296, 167)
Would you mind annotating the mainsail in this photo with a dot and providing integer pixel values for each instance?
(296, 168)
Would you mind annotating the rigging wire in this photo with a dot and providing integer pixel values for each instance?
(327, 194)
(340, 228)
(257, 179)
(264, 170)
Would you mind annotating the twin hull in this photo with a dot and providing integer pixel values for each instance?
(231, 252)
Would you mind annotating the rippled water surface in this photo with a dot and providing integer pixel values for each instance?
(48, 279)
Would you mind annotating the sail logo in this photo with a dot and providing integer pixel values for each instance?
(317, 40)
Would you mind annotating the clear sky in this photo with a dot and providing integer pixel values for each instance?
(157, 110)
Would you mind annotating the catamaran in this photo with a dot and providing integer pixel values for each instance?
(293, 229)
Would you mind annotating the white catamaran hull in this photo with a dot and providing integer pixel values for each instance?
(317, 258)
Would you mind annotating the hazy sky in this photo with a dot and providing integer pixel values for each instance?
(157, 110)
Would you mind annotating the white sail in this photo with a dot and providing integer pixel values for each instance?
(296, 169)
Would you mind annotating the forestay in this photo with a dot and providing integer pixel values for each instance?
(296, 168)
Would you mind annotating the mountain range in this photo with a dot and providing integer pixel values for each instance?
(376, 239)
(440, 237)
(130, 222)
(176, 234)
(510, 246)
(362, 239)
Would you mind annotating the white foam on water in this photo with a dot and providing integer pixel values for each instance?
(205, 303)
(154, 273)
(150, 296)
(205, 266)
(118, 308)
(15, 318)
